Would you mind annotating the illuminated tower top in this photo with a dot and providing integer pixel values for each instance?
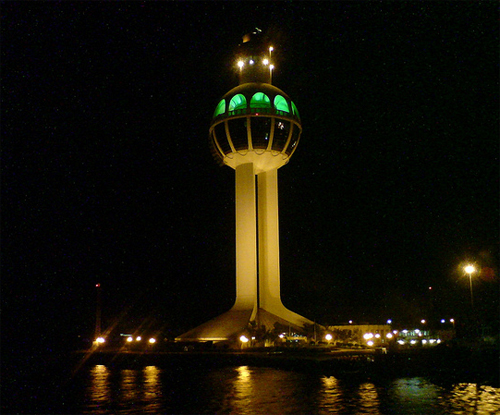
(254, 58)
(255, 122)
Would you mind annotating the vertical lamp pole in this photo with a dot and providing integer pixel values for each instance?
(98, 312)
(470, 269)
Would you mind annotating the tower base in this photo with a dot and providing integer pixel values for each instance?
(233, 323)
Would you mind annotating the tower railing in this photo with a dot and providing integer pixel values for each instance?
(257, 111)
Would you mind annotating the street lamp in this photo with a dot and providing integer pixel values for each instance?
(470, 269)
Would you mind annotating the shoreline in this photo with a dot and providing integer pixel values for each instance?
(452, 365)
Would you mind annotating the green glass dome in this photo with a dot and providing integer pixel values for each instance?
(255, 117)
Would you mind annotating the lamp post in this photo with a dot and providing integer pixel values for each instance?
(98, 312)
(470, 269)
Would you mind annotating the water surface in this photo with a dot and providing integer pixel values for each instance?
(260, 390)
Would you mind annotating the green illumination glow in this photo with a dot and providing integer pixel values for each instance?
(295, 111)
(280, 104)
(260, 100)
(237, 102)
(221, 108)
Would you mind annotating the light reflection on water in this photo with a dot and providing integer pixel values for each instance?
(255, 390)
(100, 390)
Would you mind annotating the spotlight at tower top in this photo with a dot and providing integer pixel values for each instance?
(254, 58)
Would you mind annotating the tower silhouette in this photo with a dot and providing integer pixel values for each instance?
(255, 130)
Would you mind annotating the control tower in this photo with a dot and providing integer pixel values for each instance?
(255, 130)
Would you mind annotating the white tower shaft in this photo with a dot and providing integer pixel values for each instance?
(246, 239)
(269, 259)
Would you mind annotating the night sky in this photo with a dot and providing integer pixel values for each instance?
(107, 175)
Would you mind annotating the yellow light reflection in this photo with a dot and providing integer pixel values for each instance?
(152, 390)
(475, 399)
(243, 372)
(99, 389)
(368, 398)
(330, 397)
(129, 387)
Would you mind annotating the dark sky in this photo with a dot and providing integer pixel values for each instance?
(107, 175)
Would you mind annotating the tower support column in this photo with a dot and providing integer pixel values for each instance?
(246, 239)
(269, 257)
(269, 267)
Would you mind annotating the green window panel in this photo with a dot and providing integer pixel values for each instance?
(280, 104)
(237, 102)
(260, 100)
(295, 111)
(221, 108)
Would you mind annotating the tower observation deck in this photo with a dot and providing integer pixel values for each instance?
(255, 130)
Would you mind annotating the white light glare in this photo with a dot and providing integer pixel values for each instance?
(422, 321)
(138, 338)
(367, 336)
(271, 67)
(130, 338)
(265, 61)
(377, 336)
(389, 321)
(240, 64)
(152, 340)
(100, 340)
(369, 343)
(442, 320)
(401, 341)
(251, 62)
(328, 337)
(413, 341)
(243, 339)
(469, 269)
(389, 335)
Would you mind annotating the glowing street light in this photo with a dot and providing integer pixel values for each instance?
(244, 339)
(470, 269)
